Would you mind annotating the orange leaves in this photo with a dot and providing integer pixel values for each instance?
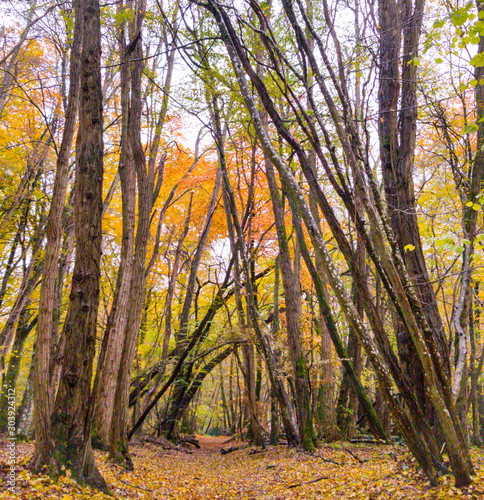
(381, 473)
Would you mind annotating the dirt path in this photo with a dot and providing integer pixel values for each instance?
(210, 445)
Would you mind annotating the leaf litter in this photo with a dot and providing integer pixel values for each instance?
(335, 471)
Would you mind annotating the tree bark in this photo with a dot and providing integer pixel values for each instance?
(68, 445)
(292, 295)
(112, 345)
(24, 326)
(43, 396)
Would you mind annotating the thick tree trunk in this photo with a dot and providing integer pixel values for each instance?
(118, 440)
(397, 143)
(43, 366)
(113, 339)
(292, 295)
(58, 340)
(68, 445)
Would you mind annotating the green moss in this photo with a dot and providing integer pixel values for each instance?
(307, 438)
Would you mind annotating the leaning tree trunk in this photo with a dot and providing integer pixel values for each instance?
(197, 381)
(288, 413)
(247, 349)
(390, 267)
(182, 339)
(69, 443)
(326, 404)
(397, 149)
(24, 327)
(24, 416)
(463, 310)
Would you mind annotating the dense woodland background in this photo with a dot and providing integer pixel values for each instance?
(261, 218)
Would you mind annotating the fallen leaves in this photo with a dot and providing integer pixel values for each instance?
(336, 471)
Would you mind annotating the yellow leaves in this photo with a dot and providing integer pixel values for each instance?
(409, 248)
(474, 206)
(387, 473)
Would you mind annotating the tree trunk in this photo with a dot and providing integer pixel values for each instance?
(197, 381)
(179, 386)
(326, 404)
(43, 365)
(112, 346)
(263, 335)
(24, 327)
(463, 312)
(25, 412)
(68, 446)
(397, 143)
(292, 295)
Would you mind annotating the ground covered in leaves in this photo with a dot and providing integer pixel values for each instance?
(339, 470)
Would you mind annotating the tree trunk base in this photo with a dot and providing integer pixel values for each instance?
(55, 463)
(120, 456)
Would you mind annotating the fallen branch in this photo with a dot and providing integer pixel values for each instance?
(367, 440)
(254, 452)
(133, 485)
(355, 456)
(191, 440)
(308, 482)
(224, 451)
(166, 445)
(328, 460)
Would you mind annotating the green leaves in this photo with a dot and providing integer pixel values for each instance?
(439, 24)
(468, 29)
(477, 61)
(472, 127)
(473, 205)
(445, 242)
(460, 16)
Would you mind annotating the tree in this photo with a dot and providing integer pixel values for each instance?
(390, 268)
(43, 378)
(68, 445)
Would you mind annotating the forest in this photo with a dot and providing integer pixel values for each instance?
(241, 249)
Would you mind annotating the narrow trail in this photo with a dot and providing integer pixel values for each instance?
(211, 445)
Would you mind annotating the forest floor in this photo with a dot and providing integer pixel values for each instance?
(336, 471)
